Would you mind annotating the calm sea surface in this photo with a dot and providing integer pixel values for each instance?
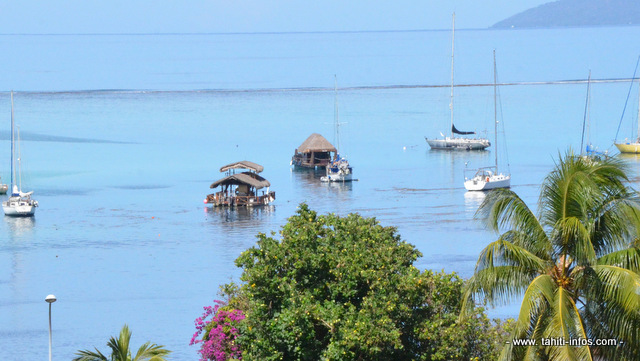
(123, 134)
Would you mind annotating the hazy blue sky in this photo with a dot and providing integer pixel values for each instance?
(166, 16)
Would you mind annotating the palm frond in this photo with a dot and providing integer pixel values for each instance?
(503, 208)
(627, 258)
(503, 272)
(120, 350)
(498, 285)
(616, 221)
(505, 253)
(537, 297)
(151, 352)
(571, 237)
(86, 355)
(566, 324)
(120, 346)
(611, 310)
(621, 285)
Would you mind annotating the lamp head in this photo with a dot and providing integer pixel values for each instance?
(50, 299)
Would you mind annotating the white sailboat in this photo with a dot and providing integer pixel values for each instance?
(19, 203)
(339, 170)
(628, 146)
(453, 142)
(489, 177)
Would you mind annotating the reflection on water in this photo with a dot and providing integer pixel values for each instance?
(633, 160)
(19, 226)
(243, 217)
(472, 200)
(309, 188)
(339, 186)
(308, 177)
(632, 156)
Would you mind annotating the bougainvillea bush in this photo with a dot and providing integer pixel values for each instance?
(216, 332)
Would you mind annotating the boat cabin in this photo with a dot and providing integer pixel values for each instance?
(241, 189)
(314, 152)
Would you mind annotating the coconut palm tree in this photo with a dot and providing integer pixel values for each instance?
(576, 265)
(120, 350)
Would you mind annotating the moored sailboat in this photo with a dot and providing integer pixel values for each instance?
(19, 204)
(487, 178)
(339, 170)
(454, 142)
(628, 146)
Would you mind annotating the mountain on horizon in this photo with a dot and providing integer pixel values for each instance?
(575, 13)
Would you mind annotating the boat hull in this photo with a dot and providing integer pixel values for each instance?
(488, 183)
(340, 171)
(628, 147)
(339, 177)
(22, 209)
(458, 143)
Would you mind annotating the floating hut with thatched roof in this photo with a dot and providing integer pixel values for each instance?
(241, 189)
(314, 152)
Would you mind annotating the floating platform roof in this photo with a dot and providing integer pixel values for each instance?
(316, 143)
(248, 178)
(244, 164)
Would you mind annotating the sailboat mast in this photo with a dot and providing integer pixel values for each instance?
(638, 140)
(19, 161)
(12, 145)
(336, 115)
(453, 34)
(585, 120)
(495, 107)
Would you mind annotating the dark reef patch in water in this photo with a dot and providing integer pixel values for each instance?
(35, 137)
(142, 187)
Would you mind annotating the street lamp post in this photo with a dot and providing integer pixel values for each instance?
(50, 299)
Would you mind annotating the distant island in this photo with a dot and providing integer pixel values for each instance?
(575, 13)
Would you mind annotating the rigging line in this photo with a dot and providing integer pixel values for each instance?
(504, 130)
(627, 100)
(586, 112)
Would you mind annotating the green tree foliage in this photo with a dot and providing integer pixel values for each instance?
(345, 288)
(120, 350)
(576, 264)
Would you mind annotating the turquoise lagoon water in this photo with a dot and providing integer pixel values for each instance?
(123, 134)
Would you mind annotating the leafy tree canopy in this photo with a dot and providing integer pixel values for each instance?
(345, 288)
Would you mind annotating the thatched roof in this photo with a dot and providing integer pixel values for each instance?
(316, 143)
(244, 164)
(251, 179)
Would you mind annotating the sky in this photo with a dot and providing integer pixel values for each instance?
(247, 16)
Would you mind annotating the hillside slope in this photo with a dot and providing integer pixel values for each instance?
(572, 13)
